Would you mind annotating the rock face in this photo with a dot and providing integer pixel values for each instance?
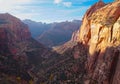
(8, 22)
(100, 31)
(19, 52)
(12, 30)
(77, 36)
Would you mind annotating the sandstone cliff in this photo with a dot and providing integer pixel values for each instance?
(19, 52)
(100, 31)
(12, 30)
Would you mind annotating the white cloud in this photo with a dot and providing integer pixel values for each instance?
(23, 16)
(67, 4)
(9, 5)
(61, 2)
(57, 1)
(30, 9)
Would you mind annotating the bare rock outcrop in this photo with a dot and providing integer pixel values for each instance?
(100, 31)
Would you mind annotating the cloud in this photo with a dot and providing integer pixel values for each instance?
(61, 2)
(57, 1)
(67, 4)
(23, 16)
(10, 5)
(43, 10)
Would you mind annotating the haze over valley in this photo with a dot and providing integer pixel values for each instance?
(60, 42)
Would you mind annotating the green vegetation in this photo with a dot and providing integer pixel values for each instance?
(63, 69)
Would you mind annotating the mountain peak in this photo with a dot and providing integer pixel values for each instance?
(100, 2)
(100, 31)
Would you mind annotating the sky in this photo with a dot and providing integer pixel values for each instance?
(47, 10)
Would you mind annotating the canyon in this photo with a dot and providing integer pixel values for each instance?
(92, 56)
(52, 34)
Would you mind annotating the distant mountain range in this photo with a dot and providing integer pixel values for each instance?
(53, 34)
(36, 28)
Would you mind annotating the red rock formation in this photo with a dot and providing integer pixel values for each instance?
(100, 31)
(13, 24)
(19, 52)
(85, 27)
(12, 31)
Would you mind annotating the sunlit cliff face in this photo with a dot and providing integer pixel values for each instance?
(100, 31)
(100, 28)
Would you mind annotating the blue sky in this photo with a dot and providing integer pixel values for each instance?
(47, 10)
